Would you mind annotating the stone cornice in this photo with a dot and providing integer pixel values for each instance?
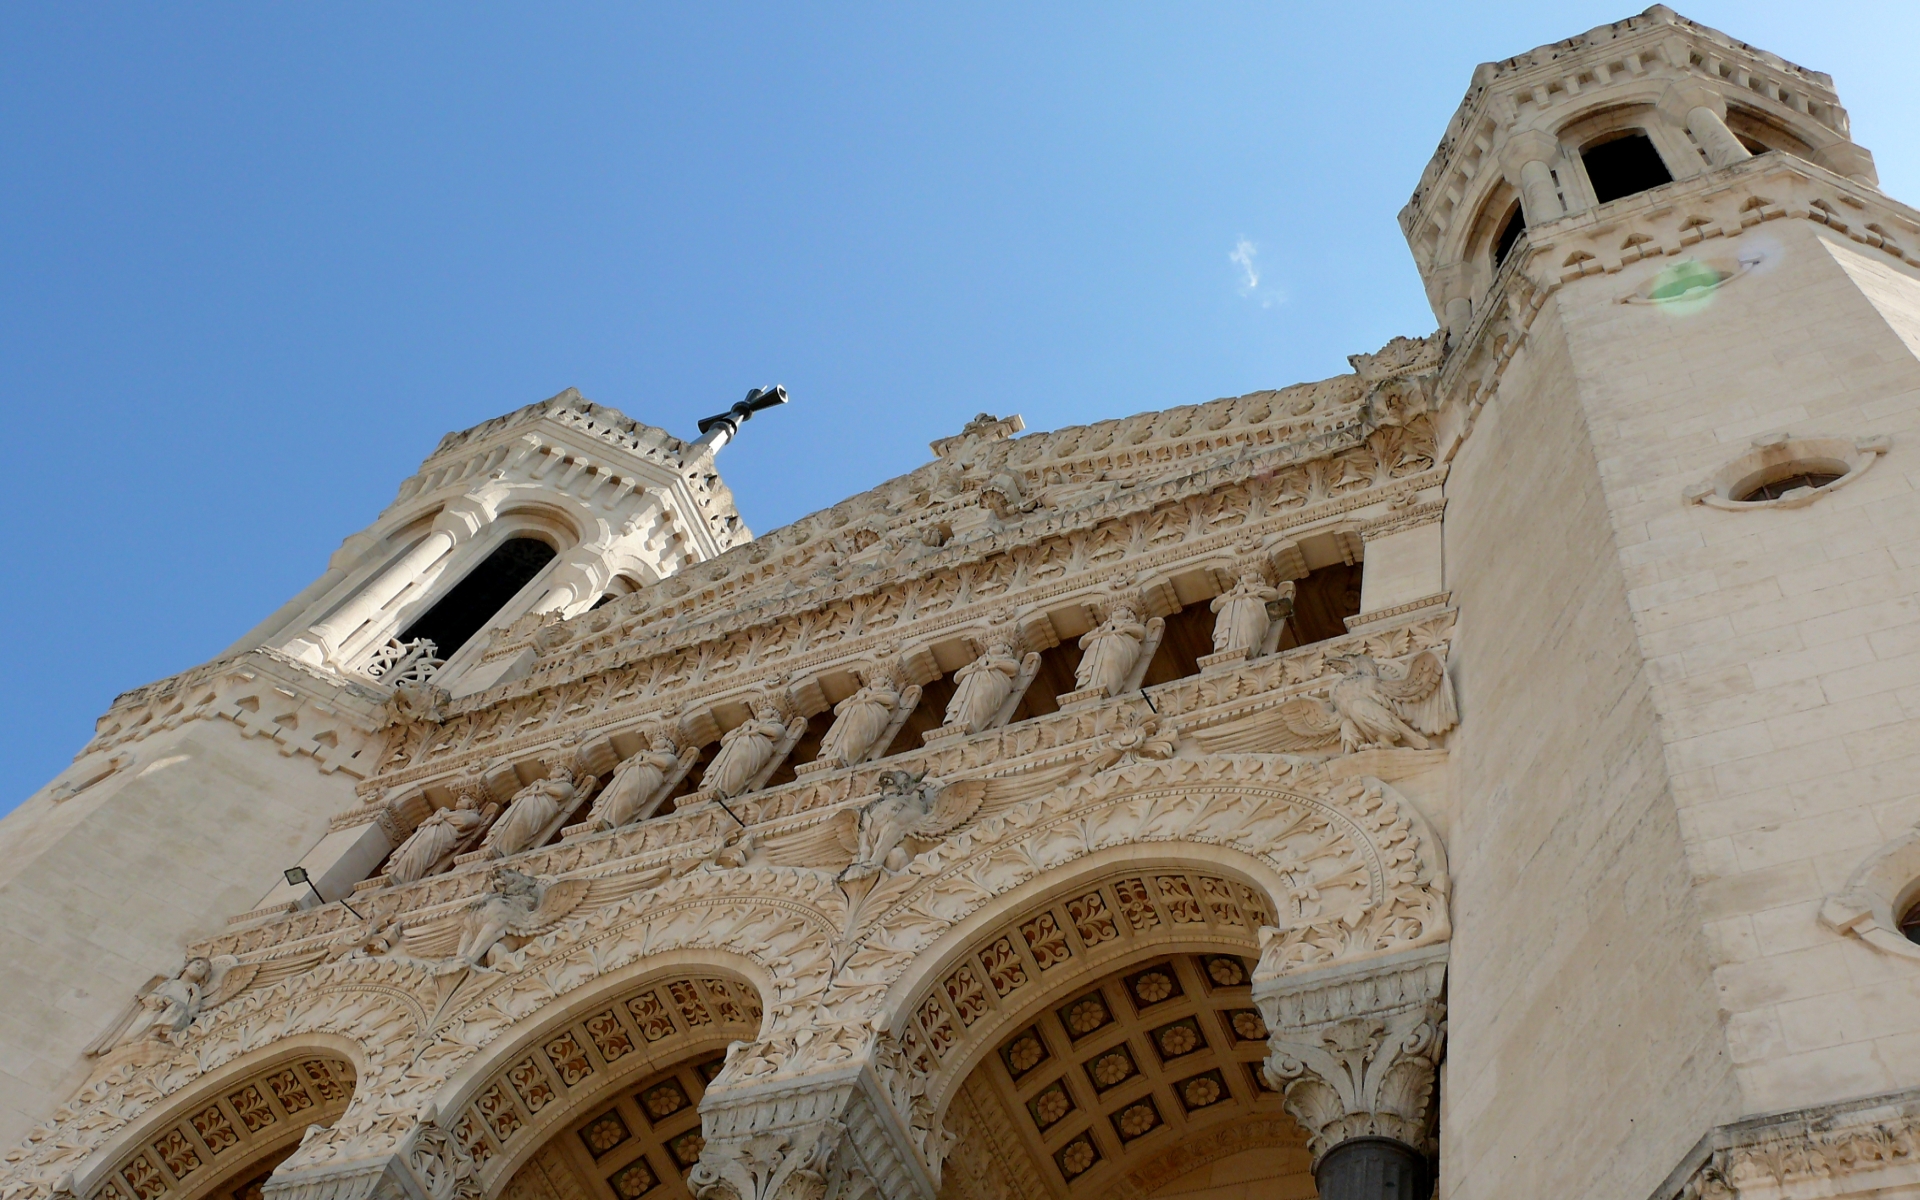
(1853, 1147)
(1212, 445)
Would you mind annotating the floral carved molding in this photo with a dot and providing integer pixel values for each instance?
(1351, 871)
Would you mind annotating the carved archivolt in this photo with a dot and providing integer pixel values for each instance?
(521, 1103)
(1347, 870)
(375, 1010)
(232, 1131)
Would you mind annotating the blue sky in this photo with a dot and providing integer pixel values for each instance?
(256, 259)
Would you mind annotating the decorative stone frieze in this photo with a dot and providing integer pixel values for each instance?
(335, 722)
(1868, 1147)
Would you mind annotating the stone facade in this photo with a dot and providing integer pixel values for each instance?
(1485, 770)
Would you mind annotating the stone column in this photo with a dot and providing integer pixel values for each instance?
(859, 1129)
(324, 640)
(1525, 161)
(1356, 1049)
(1710, 130)
(578, 578)
(425, 1162)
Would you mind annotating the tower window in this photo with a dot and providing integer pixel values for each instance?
(1509, 234)
(1625, 166)
(474, 600)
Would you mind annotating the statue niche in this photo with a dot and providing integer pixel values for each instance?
(430, 849)
(535, 813)
(639, 785)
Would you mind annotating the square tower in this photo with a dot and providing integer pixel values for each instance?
(1679, 403)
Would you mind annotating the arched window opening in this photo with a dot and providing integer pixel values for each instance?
(1910, 923)
(1624, 166)
(472, 602)
(1323, 599)
(1760, 134)
(1509, 234)
(618, 586)
(225, 1147)
(1188, 639)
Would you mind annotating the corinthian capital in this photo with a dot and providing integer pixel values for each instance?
(425, 1162)
(1355, 1050)
(863, 1130)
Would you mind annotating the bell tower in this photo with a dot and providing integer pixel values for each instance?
(1623, 108)
(1680, 407)
(196, 791)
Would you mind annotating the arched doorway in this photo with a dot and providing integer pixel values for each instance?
(1102, 1041)
(641, 1143)
(605, 1104)
(1146, 1083)
(225, 1143)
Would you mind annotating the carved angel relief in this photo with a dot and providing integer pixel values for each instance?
(911, 808)
(154, 1021)
(1368, 710)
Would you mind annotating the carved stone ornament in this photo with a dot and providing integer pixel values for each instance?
(1354, 874)
(1356, 1050)
(1876, 896)
(1863, 1147)
(427, 1164)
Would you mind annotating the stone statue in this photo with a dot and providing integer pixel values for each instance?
(1379, 711)
(744, 749)
(858, 722)
(515, 903)
(532, 810)
(1368, 710)
(637, 781)
(1242, 618)
(445, 833)
(982, 686)
(910, 806)
(171, 1007)
(1108, 653)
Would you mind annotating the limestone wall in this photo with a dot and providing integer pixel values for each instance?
(1783, 644)
(1583, 1040)
(105, 890)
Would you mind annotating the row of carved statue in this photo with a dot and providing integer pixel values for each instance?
(1364, 708)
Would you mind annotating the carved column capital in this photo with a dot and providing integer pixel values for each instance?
(427, 1163)
(1356, 1050)
(794, 1161)
(864, 1130)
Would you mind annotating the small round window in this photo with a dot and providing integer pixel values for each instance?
(1801, 475)
(1910, 923)
(1783, 471)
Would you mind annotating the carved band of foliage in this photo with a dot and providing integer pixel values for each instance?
(1862, 1147)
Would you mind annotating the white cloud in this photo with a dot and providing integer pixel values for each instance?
(1242, 257)
(1244, 254)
